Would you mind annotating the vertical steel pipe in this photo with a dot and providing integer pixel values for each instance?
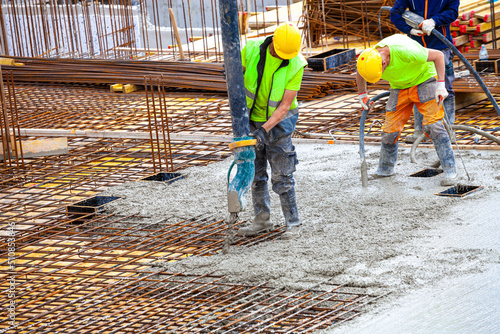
(243, 156)
(234, 67)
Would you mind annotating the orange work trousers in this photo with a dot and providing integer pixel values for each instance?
(400, 106)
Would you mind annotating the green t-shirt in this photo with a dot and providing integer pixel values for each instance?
(272, 64)
(408, 65)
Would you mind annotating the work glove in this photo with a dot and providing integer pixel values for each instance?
(441, 92)
(363, 100)
(427, 26)
(262, 137)
(417, 32)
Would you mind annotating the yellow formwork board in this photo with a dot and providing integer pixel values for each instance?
(123, 88)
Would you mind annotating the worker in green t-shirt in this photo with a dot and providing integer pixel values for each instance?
(411, 71)
(273, 73)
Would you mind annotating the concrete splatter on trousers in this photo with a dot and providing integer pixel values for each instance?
(280, 153)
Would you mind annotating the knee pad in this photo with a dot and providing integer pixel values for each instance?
(390, 138)
(435, 130)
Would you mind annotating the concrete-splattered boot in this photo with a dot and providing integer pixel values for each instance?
(388, 158)
(291, 213)
(261, 223)
(447, 158)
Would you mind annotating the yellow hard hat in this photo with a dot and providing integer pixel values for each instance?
(287, 40)
(370, 65)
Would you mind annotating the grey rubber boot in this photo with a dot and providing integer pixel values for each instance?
(447, 158)
(291, 213)
(289, 208)
(387, 160)
(413, 137)
(261, 223)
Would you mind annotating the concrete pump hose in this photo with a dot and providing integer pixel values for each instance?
(470, 67)
(479, 132)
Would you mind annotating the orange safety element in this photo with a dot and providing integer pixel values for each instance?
(425, 18)
(248, 142)
(396, 120)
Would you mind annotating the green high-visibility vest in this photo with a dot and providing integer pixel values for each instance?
(256, 59)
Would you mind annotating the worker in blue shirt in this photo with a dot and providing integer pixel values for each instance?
(437, 14)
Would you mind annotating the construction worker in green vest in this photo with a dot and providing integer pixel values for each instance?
(273, 69)
(416, 75)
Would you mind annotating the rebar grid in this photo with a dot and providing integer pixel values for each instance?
(80, 107)
(94, 109)
(80, 274)
(94, 273)
(91, 166)
(356, 21)
(159, 128)
(12, 151)
(164, 303)
(74, 241)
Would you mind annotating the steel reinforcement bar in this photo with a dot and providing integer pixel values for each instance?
(93, 273)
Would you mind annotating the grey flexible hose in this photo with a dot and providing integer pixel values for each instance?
(454, 127)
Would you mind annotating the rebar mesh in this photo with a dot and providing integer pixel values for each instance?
(75, 275)
(103, 273)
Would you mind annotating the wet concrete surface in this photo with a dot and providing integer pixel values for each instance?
(465, 304)
(438, 257)
(468, 304)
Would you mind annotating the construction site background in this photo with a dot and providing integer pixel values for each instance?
(96, 95)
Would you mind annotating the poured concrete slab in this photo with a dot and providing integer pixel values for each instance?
(394, 236)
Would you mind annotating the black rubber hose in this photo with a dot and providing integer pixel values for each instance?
(471, 69)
